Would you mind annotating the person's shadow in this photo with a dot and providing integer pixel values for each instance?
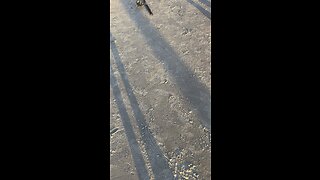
(195, 92)
(201, 9)
(159, 164)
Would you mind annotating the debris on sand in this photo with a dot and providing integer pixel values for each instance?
(112, 131)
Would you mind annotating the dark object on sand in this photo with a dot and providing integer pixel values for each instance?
(113, 130)
(144, 3)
